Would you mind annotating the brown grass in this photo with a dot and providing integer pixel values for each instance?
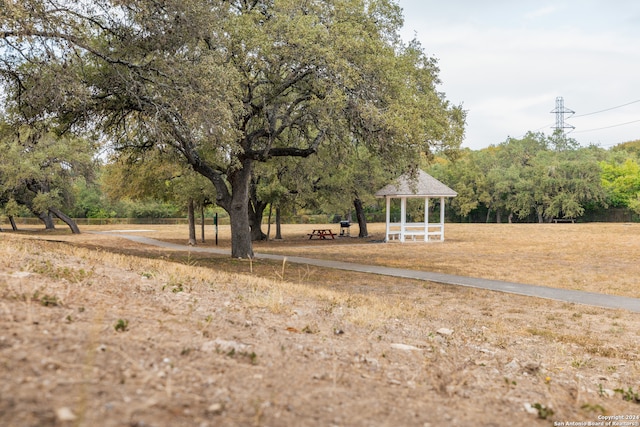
(591, 257)
(213, 341)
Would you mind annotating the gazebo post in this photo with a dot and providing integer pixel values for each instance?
(426, 219)
(403, 217)
(441, 218)
(388, 199)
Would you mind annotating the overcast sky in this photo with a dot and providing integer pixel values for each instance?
(506, 62)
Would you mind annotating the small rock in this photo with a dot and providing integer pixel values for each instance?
(65, 414)
(215, 409)
(513, 365)
(20, 274)
(444, 332)
(223, 346)
(406, 347)
(608, 392)
(530, 409)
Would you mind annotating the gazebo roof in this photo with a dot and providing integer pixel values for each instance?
(423, 185)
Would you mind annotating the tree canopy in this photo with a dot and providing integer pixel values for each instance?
(39, 169)
(542, 176)
(227, 83)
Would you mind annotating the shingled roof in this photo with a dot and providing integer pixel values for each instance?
(422, 185)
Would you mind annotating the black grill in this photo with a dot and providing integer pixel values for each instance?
(344, 228)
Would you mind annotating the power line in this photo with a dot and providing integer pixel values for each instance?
(607, 109)
(560, 111)
(607, 127)
(542, 127)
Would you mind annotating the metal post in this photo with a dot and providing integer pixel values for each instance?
(215, 223)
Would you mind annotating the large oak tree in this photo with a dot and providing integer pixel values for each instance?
(227, 83)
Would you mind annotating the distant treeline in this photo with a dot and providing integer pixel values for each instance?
(540, 179)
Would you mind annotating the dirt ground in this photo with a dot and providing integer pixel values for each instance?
(99, 331)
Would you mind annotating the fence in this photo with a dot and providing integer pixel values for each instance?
(222, 220)
(600, 215)
(107, 221)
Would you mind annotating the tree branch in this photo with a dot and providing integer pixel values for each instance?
(76, 41)
(264, 155)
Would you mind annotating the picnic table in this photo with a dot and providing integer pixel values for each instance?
(557, 220)
(321, 233)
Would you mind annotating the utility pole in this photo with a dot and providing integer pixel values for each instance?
(560, 113)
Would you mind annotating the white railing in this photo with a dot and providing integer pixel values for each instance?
(413, 231)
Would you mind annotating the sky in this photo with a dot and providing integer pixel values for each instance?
(506, 62)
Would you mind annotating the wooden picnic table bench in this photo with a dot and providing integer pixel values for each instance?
(321, 233)
(557, 220)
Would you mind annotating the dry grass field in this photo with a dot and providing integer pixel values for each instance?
(100, 331)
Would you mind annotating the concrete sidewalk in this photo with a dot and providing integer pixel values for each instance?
(578, 297)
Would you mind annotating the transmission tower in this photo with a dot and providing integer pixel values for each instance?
(560, 113)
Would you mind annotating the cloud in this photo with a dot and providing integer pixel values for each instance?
(545, 11)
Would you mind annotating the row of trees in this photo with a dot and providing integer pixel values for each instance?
(230, 92)
(541, 177)
(535, 178)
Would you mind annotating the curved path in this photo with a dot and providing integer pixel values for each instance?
(566, 295)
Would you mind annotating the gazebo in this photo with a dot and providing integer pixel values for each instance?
(421, 186)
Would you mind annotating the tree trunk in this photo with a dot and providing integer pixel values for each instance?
(234, 202)
(47, 219)
(192, 222)
(66, 219)
(540, 216)
(498, 216)
(12, 220)
(269, 221)
(278, 225)
(202, 222)
(255, 223)
(362, 221)
(256, 211)
(239, 211)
